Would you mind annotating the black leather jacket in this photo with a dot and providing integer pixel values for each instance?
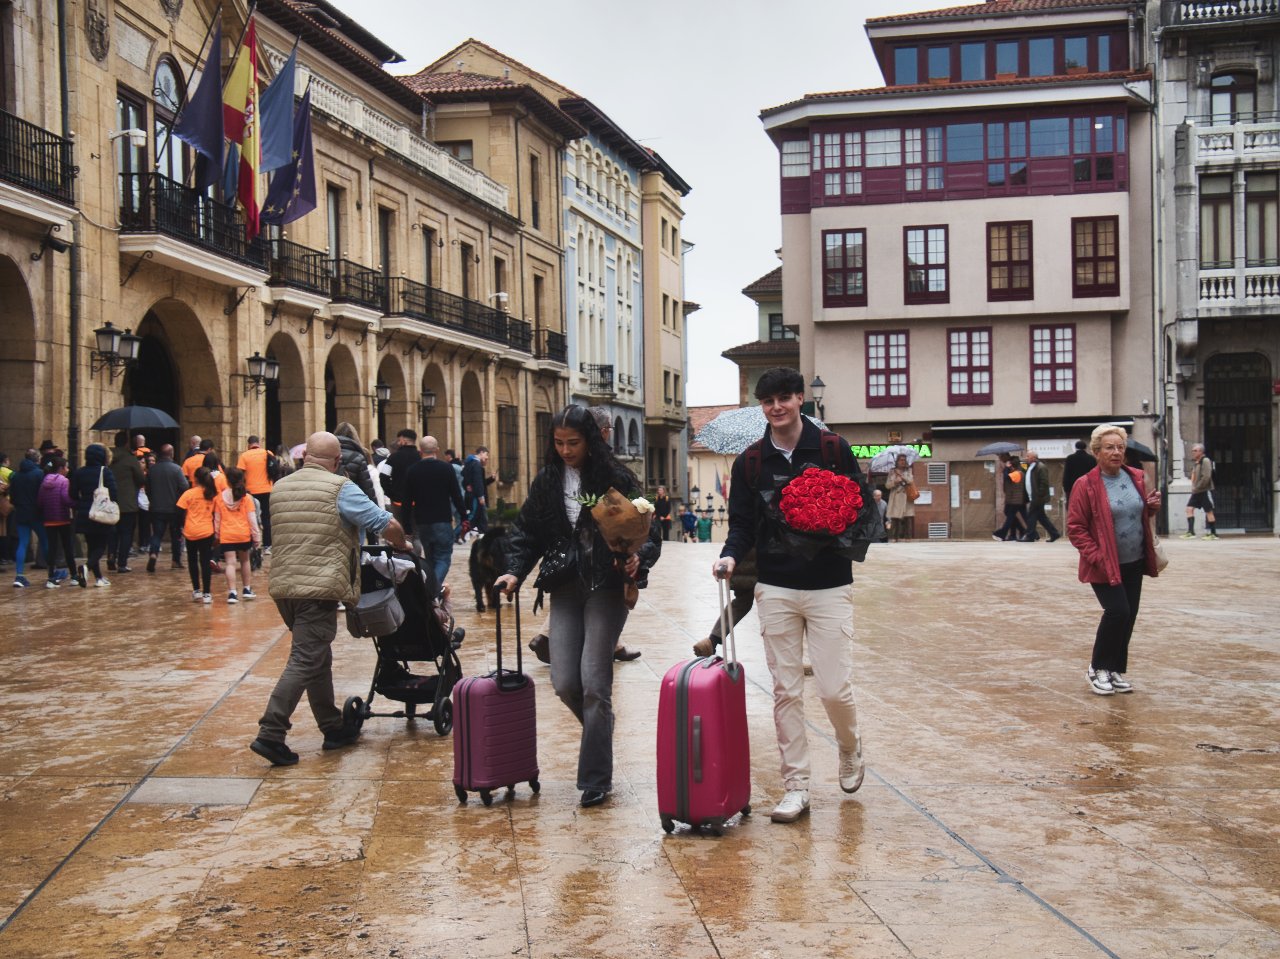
(543, 523)
(355, 466)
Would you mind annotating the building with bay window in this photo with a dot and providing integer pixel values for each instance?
(966, 249)
(1218, 232)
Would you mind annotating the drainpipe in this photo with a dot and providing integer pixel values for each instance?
(73, 257)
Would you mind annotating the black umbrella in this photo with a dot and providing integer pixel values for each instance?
(1141, 451)
(1000, 447)
(135, 418)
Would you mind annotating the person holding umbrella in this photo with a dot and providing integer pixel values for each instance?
(902, 506)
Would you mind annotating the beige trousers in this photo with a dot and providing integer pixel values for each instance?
(824, 619)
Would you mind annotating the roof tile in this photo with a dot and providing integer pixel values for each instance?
(997, 8)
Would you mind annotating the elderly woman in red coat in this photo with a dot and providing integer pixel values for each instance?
(1108, 522)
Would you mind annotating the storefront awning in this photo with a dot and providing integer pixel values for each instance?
(1070, 425)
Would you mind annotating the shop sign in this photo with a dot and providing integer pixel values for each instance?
(866, 452)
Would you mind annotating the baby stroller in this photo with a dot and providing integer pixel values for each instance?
(427, 634)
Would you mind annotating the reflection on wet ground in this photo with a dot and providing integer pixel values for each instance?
(1007, 811)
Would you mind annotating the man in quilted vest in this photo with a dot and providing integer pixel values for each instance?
(319, 518)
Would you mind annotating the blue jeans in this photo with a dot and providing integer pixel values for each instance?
(436, 541)
(24, 537)
(159, 523)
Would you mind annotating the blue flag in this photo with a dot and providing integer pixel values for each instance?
(199, 124)
(292, 193)
(231, 172)
(275, 104)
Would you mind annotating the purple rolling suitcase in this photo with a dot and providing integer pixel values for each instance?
(495, 730)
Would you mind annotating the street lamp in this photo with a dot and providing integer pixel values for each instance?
(262, 370)
(381, 394)
(116, 351)
(817, 390)
(426, 404)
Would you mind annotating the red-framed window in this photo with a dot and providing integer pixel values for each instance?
(1057, 54)
(844, 268)
(1009, 261)
(1095, 256)
(926, 266)
(969, 366)
(888, 368)
(1053, 364)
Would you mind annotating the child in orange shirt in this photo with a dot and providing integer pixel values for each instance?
(197, 505)
(235, 523)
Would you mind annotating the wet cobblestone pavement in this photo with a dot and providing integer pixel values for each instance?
(1007, 811)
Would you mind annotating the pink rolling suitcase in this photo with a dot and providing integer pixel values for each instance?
(704, 755)
(495, 730)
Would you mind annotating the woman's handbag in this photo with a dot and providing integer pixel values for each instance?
(144, 501)
(913, 492)
(377, 613)
(104, 509)
(1162, 558)
(557, 567)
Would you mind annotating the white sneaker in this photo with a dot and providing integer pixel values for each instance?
(852, 769)
(795, 803)
(197, 596)
(1119, 683)
(103, 581)
(206, 599)
(1100, 681)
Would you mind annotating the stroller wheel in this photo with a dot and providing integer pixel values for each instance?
(353, 713)
(442, 716)
(461, 794)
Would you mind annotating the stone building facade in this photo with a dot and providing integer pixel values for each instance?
(376, 308)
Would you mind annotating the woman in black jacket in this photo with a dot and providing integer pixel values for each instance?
(587, 606)
(83, 482)
(355, 462)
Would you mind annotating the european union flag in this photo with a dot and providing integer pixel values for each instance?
(199, 125)
(276, 106)
(292, 193)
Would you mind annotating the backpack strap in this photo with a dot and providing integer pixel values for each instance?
(752, 463)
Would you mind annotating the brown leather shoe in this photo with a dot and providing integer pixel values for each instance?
(541, 646)
(624, 655)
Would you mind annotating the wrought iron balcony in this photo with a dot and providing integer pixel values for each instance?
(421, 302)
(520, 335)
(36, 159)
(297, 266)
(353, 283)
(599, 377)
(152, 203)
(553, 346)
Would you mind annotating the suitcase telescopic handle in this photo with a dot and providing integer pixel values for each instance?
(496, 603)
(726, 624)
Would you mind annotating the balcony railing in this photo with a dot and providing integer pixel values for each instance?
(300, 267)
(36, 159)
(421, 302)
(353, 283)
(152, 203)
(520, 335)
(553, 346)
(1255, 136)
(1233, 288)
(1214, 11)
(599, 377)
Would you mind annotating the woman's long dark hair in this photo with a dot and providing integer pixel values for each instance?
(204, 479)
(235, 480)
(212, 463)
(602, 469)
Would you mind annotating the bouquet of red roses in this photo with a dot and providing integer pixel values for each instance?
(820, 501)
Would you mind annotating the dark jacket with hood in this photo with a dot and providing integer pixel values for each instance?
(355, 466)
(24, 487)
(129, 478)
(543, 523)
(749, 519)
(85, 480)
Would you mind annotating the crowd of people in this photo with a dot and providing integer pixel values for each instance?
(320, 501)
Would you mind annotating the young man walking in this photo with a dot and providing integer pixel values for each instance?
(800, 601)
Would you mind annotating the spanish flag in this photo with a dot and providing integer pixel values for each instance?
(240, 121)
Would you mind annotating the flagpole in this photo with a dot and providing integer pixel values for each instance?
(186, 87)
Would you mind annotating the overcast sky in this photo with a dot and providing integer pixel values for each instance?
(688, 79)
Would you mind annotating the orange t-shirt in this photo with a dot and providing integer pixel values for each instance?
(254, 464)
(219, 481)
(190, 465)
(234, 523)
(199, 524)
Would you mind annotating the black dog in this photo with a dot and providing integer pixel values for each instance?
(488, 562)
